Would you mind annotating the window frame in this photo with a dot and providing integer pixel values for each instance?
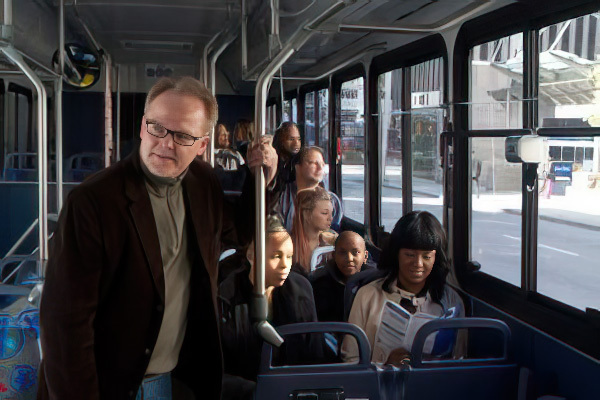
(571, 325)
(404, 57)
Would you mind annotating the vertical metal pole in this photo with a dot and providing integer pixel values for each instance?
(42, 128)
(118, 111)
(244, 38)
(108, 128)
(213, 86)
(58, 89)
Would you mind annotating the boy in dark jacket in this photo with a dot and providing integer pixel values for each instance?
(329, 282)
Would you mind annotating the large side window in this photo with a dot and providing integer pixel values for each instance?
(497, 84)
(390, 128)
(569, 179)
(495, 97)
(353, 148)
(427, 122)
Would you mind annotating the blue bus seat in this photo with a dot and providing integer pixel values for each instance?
(322, 381)
(477, 378)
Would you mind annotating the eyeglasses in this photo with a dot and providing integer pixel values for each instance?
(182, 139)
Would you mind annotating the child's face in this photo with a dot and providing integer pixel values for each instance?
(279, 251)
(350, 254)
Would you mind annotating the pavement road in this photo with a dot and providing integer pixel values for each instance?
(568, 255)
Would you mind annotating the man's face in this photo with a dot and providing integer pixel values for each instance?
(177, 112)
(292, 142)
(311, 169)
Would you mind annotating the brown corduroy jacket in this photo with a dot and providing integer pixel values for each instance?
(104, 293)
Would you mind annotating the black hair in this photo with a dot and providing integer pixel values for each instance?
(417, 230)
(281, 133)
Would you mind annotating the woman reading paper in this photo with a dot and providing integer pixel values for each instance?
(416, 264)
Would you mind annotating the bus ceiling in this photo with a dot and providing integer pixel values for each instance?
(181, 37)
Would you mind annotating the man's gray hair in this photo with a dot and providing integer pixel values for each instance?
(188, 86)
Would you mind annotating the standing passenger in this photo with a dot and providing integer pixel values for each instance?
(287, 143)
(349, 257)
(130, 291)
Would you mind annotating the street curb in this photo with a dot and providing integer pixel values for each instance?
(557, 220)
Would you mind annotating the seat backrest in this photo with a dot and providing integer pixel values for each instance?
(323, 381)
(317, 256)
(477, 378)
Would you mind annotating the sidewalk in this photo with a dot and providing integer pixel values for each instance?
(580, 209)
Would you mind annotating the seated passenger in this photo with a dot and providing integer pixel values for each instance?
(242, 135)
(329, 282)
(311, 227)
(289, 296)
(225, 156)
(416, 263)
(309, 175)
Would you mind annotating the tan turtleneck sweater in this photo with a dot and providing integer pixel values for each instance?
(166, 196)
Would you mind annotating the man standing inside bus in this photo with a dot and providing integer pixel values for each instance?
(130, 290)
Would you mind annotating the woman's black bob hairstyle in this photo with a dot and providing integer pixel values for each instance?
(417, 230)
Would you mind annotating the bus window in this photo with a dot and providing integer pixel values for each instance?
(271, 124)
(323, 134)
(309, 119)
(569, 224)
(495, 210)
(286, 115)
(496, 75)
(390, 134)
(427, 117)
(353, 149)
(567, 61)
(294, 110)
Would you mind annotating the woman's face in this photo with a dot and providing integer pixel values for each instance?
(279, 252)
(321, 216)
(414, 266)
(223, 139)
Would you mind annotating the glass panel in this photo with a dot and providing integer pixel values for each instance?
(18, 188)
(427, 123)
(496, 75)
(323, 137)
(271, 119)
(309, 119)
(390, 128)
(353, 149)
(294, 110)
(569, 224)
(495, 210)
(286, 115)
(569, 94)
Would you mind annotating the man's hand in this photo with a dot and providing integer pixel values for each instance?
(263, 155)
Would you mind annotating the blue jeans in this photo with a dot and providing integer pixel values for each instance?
(157, 387)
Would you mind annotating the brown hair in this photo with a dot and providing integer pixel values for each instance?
(189, 86)
(306, 201)
(243, 130)
(305, 151)
(220, 128)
